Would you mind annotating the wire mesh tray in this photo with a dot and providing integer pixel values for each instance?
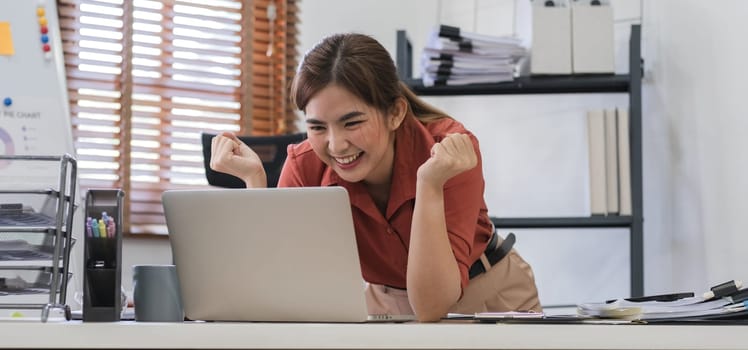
(13, 215)
(21, 250)
(37, 280)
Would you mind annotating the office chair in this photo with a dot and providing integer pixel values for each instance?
(271, 149)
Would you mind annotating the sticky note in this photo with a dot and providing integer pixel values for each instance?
(6, 41)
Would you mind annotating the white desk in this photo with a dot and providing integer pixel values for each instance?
(372, 336)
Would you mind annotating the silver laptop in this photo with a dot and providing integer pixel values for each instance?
(271, 255)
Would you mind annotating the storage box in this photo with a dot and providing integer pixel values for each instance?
(551, 38)
(592, 38)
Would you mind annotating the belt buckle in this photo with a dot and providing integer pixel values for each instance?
(493, 243)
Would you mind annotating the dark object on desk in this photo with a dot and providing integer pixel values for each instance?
(548, 319)
(659, 297)
(271, 149)
(735, 318)
(739, 296)
(102, 280)
(519, 317)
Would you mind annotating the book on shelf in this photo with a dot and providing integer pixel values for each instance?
(609, 161)
(624, 162)
(596, 141)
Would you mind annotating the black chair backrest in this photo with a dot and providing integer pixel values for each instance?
(271, 149)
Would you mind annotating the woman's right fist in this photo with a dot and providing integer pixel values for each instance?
(232, 156)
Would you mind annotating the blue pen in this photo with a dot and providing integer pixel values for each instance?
(94, 228)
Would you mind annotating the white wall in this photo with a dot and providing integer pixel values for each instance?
(379, 19)
(694, 137)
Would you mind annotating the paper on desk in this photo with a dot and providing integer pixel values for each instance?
(686, 307)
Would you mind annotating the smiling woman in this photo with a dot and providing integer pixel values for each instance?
(415, 181)
(145, 78)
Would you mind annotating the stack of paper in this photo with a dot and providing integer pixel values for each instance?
(662, 309)
(455, 57)
(648, 310)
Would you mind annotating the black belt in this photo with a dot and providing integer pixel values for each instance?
(494, 253)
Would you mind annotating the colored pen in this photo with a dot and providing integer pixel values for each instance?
(110, 228)
(102, 228)
(89, 232)
(94, 228)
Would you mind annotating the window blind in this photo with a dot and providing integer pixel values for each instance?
(145, 78)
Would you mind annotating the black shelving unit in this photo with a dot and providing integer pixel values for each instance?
(530, 85)
(619, 83)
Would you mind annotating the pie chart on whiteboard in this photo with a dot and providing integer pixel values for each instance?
(6, 147)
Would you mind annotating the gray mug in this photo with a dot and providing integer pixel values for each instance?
(156, 294)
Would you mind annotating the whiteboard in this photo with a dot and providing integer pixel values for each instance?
(34, 106)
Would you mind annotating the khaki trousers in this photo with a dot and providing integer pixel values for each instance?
(507, 286)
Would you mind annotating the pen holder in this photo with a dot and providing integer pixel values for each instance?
(103, 256)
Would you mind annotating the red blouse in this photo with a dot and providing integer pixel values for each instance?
(383, 240)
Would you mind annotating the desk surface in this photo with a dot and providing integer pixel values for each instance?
(372, 336)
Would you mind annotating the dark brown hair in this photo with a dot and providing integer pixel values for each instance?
(361, 65)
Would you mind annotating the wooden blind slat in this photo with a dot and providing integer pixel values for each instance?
(212, 7)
